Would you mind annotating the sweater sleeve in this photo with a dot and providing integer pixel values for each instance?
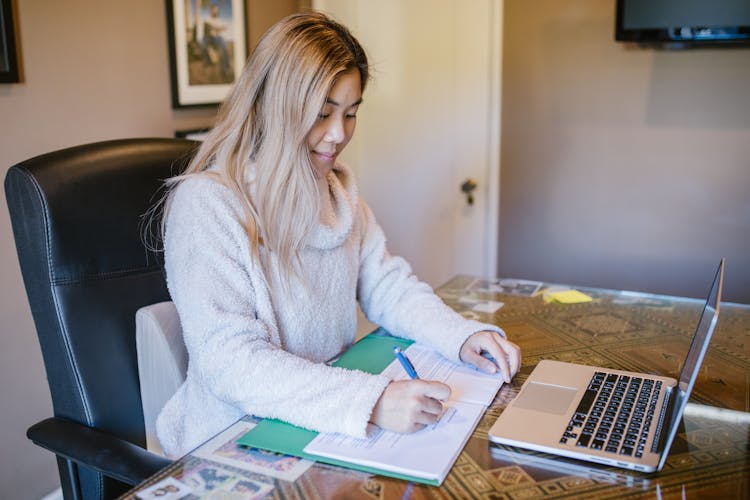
(391, 296)
(220, 296)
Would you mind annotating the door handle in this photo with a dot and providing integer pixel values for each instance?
(467, 187)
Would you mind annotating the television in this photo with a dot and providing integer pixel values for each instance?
(683, 23)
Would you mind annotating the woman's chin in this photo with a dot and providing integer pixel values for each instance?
(321, 169)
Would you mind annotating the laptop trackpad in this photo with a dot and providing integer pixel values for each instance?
(547, 398)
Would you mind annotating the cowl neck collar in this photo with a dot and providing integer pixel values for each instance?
(338, 200)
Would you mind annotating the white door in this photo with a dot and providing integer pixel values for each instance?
(430, 120)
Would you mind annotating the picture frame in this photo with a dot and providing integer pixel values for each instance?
(8, 51)
(207, 49)
(194, 134)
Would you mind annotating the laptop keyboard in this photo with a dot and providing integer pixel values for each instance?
(615, 414)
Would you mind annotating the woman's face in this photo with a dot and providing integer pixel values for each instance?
(336, 122)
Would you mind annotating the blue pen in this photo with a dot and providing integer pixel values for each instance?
(405, 363)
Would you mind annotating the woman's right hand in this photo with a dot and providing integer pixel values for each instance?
(410, 405)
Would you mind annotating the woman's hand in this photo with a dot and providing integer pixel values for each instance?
(409, 405)
(506, 356)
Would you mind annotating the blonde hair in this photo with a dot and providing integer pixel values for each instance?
(264, 123)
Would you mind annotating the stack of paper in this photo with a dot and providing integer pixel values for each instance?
(424, 456)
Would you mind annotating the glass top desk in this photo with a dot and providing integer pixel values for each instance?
(709, 458)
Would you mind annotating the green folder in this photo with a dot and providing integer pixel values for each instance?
(371, 354)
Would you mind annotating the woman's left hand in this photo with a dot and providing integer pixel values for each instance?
(506, 356)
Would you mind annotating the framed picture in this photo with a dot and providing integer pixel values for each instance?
(194, 134)
(8, 55)
(207, 49)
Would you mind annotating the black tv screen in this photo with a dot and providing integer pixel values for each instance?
(683, 22)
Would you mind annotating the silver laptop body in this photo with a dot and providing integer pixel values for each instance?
(574, 410)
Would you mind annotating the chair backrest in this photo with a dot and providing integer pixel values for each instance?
(77, 217)
(162, 362)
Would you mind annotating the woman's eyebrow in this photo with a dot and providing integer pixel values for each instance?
(334, 103)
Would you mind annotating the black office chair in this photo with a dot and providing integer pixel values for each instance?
(77, 217)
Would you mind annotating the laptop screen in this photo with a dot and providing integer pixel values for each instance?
(702, 335)
(694, 358)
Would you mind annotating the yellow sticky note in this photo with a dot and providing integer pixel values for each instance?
(569, 297)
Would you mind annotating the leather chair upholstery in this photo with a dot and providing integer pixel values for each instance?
(77, 217)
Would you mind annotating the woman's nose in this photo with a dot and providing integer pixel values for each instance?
(335, 132)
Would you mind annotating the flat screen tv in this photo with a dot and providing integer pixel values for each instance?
(683, 23)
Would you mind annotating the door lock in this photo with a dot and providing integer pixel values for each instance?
(468, 187)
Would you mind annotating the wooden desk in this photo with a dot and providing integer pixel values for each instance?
(710, 456)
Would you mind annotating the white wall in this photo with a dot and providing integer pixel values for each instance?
(621, 167)
(430, 120)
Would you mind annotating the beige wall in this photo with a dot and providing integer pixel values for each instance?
(93, 70)
(621, 167)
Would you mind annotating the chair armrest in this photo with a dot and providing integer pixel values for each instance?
(105, 453)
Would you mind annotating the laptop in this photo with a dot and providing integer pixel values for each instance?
(613, 417)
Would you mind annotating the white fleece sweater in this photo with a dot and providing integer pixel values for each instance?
(254, 352)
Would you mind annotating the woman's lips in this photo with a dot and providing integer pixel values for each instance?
(325, 156)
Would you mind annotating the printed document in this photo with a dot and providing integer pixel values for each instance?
(430, 452)
(467, 383)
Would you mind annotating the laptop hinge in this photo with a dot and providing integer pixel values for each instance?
(667, 409)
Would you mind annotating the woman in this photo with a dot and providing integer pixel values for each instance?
(268, 248)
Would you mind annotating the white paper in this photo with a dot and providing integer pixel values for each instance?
(467, 384)
(489, 306)
(428, 453)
